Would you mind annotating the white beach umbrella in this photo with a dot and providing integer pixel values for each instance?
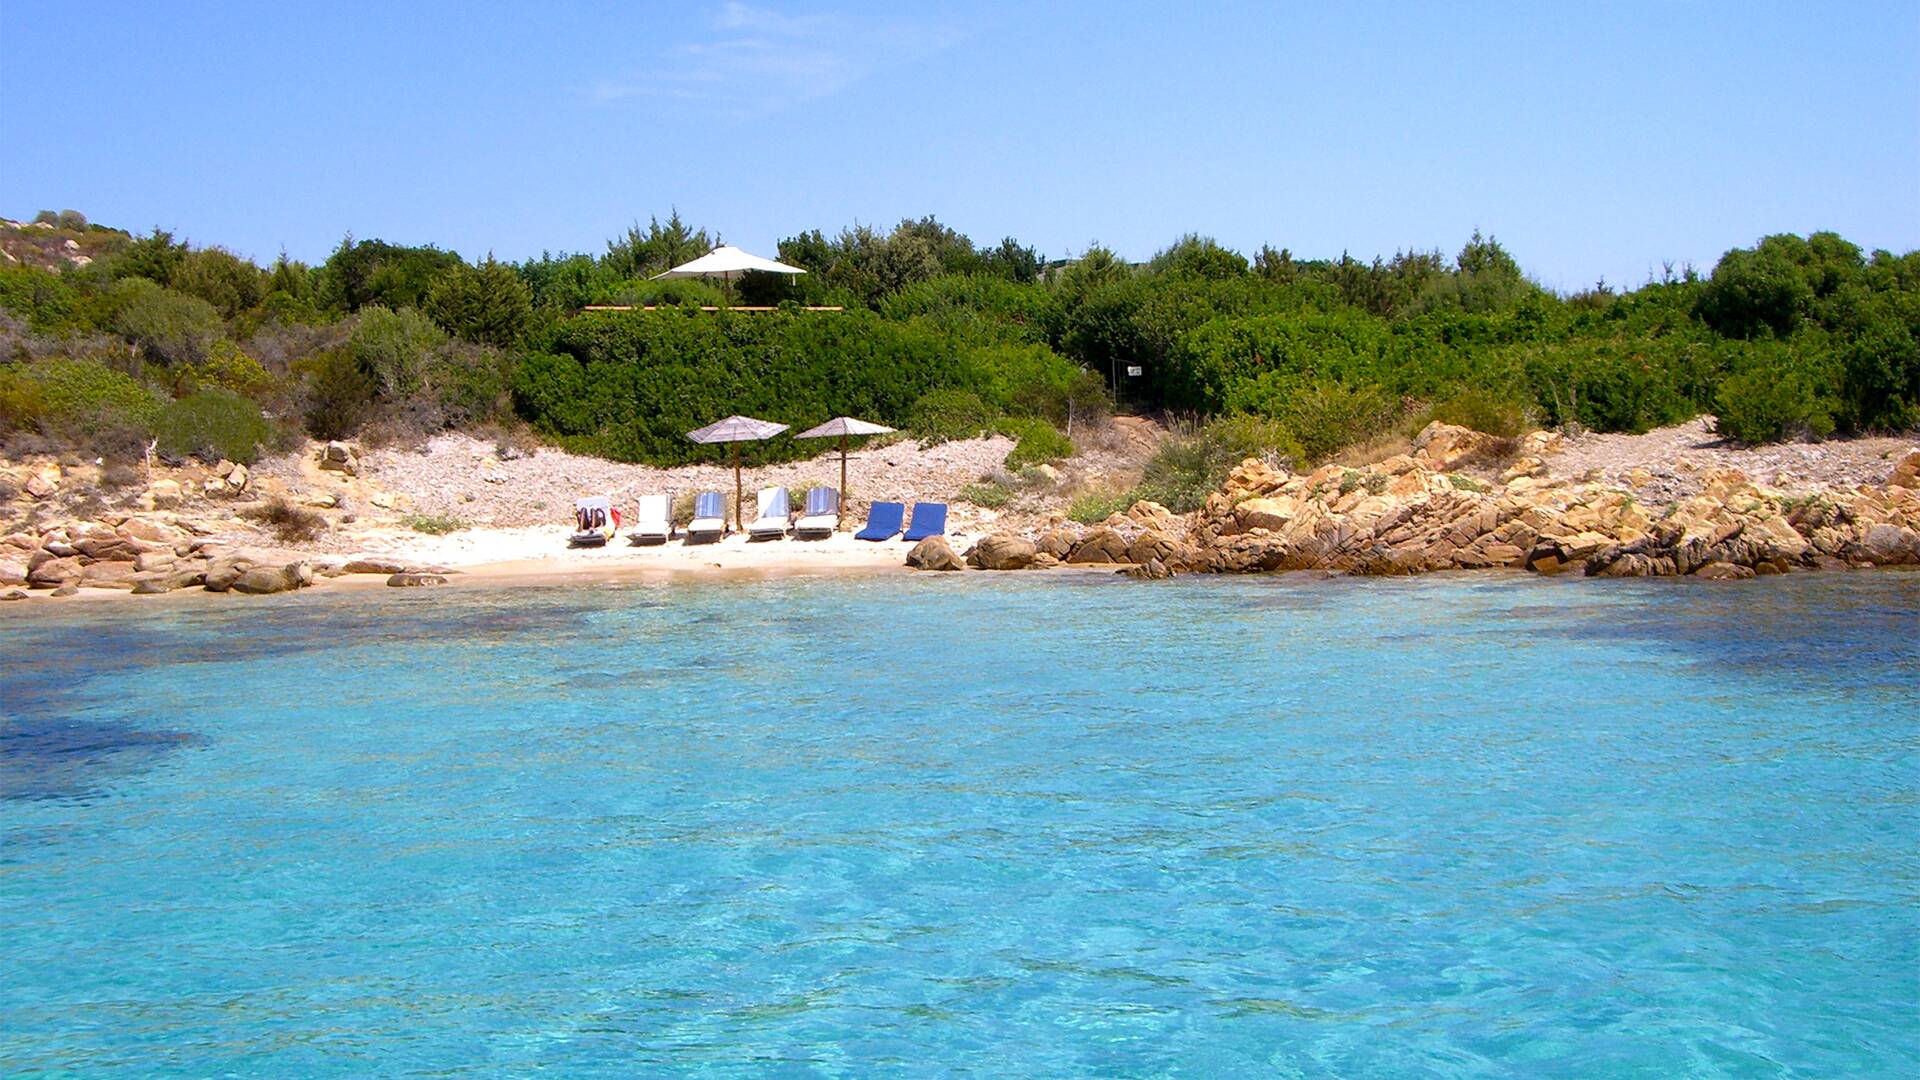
(843, 426)
(727, 262)
(736, 430)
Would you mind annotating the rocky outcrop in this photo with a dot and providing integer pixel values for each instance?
(1002, 552)
(1405, 515)
(340, 457)
(934, 553)
(1102, 545)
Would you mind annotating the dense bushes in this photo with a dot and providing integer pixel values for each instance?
(1036, 442)
(167, 326)
(1190, 466)
(1797, 335)
(212, 424)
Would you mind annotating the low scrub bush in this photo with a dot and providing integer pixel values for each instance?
(338, 395)
(291, 524)
(1768, 406)
(213, 424)
(1093, 507)
(943, 415)
(167, 326)
(80, 394)
(1482, 412)
(991, 495)
(1187, 468)
(395, 347)
(1036, 442)
(434, 524)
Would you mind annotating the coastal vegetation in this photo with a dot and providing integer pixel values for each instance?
(112, 342)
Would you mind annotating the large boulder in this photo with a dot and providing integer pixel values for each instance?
(1271, 513)
(1057, 543)
(934, 553)
(166, 493)
(415, 581)
(1102, 545)
(107, 575)
(1149, 514)
(1156, 546)
(50, 572)
(1886, 545)
(1002, 552)
(374, 564)
(1906, 472)
(224, 571)
(260, 580)
(12, 573)
(42, 482)
(1442, 446)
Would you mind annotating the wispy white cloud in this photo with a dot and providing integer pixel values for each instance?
(751, 61)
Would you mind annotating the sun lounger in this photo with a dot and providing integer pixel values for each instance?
(883, 521)
(929, 519)
(709, 517)
(775, 508)
(822, 513)
(654, 522)
(595, 520)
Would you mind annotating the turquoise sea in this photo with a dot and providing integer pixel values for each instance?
(989, 825)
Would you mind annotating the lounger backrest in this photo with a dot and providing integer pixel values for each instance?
(709, 504)
(654, 509)
(774, 503)
(886, 516)
(822, 501)
(929, 519)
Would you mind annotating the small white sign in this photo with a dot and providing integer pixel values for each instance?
(1133, 369)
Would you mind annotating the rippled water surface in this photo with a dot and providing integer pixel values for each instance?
(995, 825)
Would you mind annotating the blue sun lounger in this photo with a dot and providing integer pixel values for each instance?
(883, 521)
(929, 519)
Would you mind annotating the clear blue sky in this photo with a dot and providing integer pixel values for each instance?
(1592, 139)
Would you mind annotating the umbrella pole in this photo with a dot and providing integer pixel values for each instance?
(843, 470)
(736, 486)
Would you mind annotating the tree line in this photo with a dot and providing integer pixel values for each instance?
(214, 355)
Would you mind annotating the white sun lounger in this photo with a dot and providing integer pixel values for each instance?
(822, 514)
(709, 517)
(654, 522)
(775, 507)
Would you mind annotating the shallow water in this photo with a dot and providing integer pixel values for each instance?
(970, 824)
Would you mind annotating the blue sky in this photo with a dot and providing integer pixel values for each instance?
(1593, 140)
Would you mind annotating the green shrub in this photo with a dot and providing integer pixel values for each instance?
(167, 326)
(1188, 468)
(433, 524)
(991, 495)
(630, 385)
(212, 424)
(472, 384)
(1467, 483)
(48, 303)
(292, 524)
(225, 367)
(87, 391)
(221, 278)
(943, 415)
(1036, 442)
(486, 304)
(394, 347)
(1094, 507)
(1767, 406)
(338, 395)
(1474, 408)
(21, 403)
